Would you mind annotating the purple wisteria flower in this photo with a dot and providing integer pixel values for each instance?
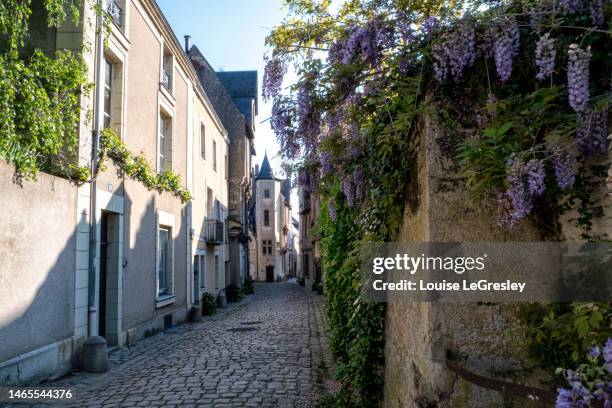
(507, 46)
(503, 56)
(331, 207)
(281, 124)
(591, 135)
(535, 177)
(545, 56)
(309, 120)
(564, 169)
(335, 54)
(366, 43)
(597, 13)
(326, 166)
(430, 25)
(347, 187)
(274, 73)
(517, 192)
(595, 352)
(455, 52)
(571, 6)
(440, 61)
(404, 28)
(607, 355)
(304, 180)
(578, 76)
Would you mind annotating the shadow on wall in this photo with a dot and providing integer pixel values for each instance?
(140, 234)
(37, 274)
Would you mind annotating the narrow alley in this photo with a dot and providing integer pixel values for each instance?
(261, 352)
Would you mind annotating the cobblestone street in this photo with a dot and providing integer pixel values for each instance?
(263, 352)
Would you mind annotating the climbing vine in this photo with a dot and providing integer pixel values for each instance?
(40, 102)
(138, 168)
(528, 80)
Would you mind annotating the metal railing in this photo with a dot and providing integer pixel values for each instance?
(214, 232)
(114, 11)
(167, 80)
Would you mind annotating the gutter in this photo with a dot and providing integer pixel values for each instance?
(93, 209)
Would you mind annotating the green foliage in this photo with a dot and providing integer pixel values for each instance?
(559, 334)
(39, 97)
(209, 304)
(248, 287)
(138, 168)
(234, 294)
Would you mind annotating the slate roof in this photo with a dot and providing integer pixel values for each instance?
(242, 87)
(265, 172)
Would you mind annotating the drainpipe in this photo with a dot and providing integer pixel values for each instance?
(97, 127)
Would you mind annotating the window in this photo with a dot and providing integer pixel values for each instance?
(226, 168)
(214, 153)
(108, 93)
(217, 272)
(164, 266)
(165, 143)
(203, 141)
(199, 269)
(266, 247)
(266, 217)
(267, 193)
(167, 70)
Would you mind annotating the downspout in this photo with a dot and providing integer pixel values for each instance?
(97, 126)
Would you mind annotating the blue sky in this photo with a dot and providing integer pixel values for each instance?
(231, 35)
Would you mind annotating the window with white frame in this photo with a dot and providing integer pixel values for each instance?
(167, 69)
(214, 153)
(199, 269)
(108, 93)
(164, 261)
(164, 148)
(203, 141)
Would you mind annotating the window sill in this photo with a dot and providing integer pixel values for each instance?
(164, 300)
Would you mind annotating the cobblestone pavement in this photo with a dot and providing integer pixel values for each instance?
(262, 353)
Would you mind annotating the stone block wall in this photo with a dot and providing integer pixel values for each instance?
(439, 209)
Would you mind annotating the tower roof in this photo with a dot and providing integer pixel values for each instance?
(265, 172)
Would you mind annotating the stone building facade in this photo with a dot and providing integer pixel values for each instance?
(126, 262)
(309, 257)
(271, 224)
(234, 97)
(488, 336)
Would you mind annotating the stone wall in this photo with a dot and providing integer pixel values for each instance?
(439, 209)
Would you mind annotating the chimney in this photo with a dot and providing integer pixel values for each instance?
(187, 44)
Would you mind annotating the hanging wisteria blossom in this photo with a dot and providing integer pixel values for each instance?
(545, 56)
(274, 73)
(281, 124)
(597, 13)
(564, 169)
(571, 6)
(525, 182)
(591, 135)
(535, 177)
(332, 209)
(578, 76)
(503, 54)
(430, 25)
(309, 126)
(347, 187)
(440, 61)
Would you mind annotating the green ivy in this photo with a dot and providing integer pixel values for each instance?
(138, 168)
